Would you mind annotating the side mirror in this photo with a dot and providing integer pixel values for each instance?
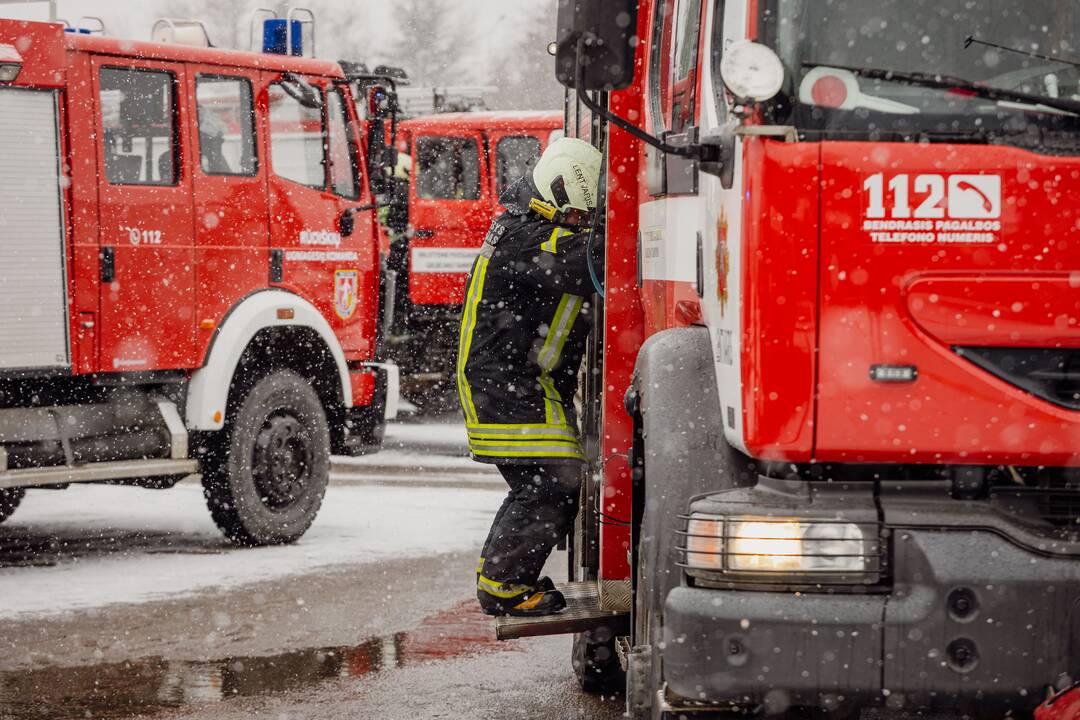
(606, 33)
(381, 155)
(346, 223)
(752, 72)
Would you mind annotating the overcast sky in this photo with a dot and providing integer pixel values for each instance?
(498, 22)
(479, 42)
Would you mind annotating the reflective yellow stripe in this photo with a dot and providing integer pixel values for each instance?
(561, 324)
(540, 452)
(559, 330)
(540, 439)
(525, 444)
(551, 244)
(468, 325)
(480, 565)
(517, 428)
(500, 590)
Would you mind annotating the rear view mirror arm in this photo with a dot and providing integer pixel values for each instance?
(346, 224)
(697, 152)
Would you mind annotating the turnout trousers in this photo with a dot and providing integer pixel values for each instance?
(539, 510)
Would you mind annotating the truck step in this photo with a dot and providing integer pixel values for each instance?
(96, 472)
(582, 613)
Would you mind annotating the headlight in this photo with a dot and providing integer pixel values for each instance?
(771, 549)
(705, 542)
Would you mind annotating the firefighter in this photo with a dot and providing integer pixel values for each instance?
(523, 329)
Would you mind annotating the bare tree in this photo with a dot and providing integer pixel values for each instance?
(431, 42)
(526, 72)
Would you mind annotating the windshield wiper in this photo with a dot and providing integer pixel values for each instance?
(946, 82)
(972, 40)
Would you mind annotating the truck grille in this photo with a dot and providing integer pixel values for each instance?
(1052, 374)
(1061, 507)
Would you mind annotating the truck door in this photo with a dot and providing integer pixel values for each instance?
(314, 161)
(231, 209)
(450, 207)
(145, 217)
(672, 222)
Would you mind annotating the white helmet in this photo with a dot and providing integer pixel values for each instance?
(568, 173)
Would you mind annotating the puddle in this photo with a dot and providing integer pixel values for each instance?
(123, 690)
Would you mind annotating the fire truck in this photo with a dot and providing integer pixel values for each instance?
(832, 404)
(190, 271)
(460, 164)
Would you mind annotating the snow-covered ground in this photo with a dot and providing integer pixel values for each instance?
(90, 546)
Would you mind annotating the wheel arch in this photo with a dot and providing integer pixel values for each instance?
(679, 447)
(259, 322)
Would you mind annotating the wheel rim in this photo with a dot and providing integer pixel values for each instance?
(282, 460)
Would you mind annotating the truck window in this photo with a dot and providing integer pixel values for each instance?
(343, 173)
(138, 119)
(684, 65)
(512, 158)
(226, 125)
(659, 88)
(449, 168)
(297, 151)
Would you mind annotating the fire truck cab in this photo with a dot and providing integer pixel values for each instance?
(460, 164)
(834, 405)
(191, 273)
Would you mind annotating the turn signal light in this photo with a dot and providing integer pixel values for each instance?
(9, 71)
(10, 63)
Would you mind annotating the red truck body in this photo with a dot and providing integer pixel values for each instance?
(196, 199)
(840, 322)
(461, 163)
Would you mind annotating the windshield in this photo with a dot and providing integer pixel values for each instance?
(992, 42)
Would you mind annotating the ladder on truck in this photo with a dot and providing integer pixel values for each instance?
(582, 613)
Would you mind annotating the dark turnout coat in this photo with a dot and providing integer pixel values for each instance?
(524, 324)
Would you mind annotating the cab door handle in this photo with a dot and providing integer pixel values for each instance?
(108, 264)
(423, 233)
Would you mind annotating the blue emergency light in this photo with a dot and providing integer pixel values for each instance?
(276, 37)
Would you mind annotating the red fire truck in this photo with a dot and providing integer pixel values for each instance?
(461, 163)
(833, 408)
(190, 274)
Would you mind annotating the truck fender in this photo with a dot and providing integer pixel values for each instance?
(685, 452)
(208, 389)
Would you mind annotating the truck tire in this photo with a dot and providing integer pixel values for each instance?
(9, 500)
(264, 481)
(596, 664)
(684, 454)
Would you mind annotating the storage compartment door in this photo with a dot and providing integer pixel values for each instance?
(33, 282)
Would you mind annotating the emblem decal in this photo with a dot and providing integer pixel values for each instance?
(346, 285)
(723, 260)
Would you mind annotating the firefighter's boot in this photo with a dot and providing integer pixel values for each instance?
(519, 600)
(545, 583)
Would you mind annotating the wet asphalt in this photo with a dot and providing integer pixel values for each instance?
(386, 639)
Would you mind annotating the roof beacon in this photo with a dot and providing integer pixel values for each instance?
(284, 36)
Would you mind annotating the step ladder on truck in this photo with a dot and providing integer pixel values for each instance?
(192, 273)
(832, 401)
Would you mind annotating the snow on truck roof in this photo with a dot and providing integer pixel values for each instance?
(143, 50)
(499, 120)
